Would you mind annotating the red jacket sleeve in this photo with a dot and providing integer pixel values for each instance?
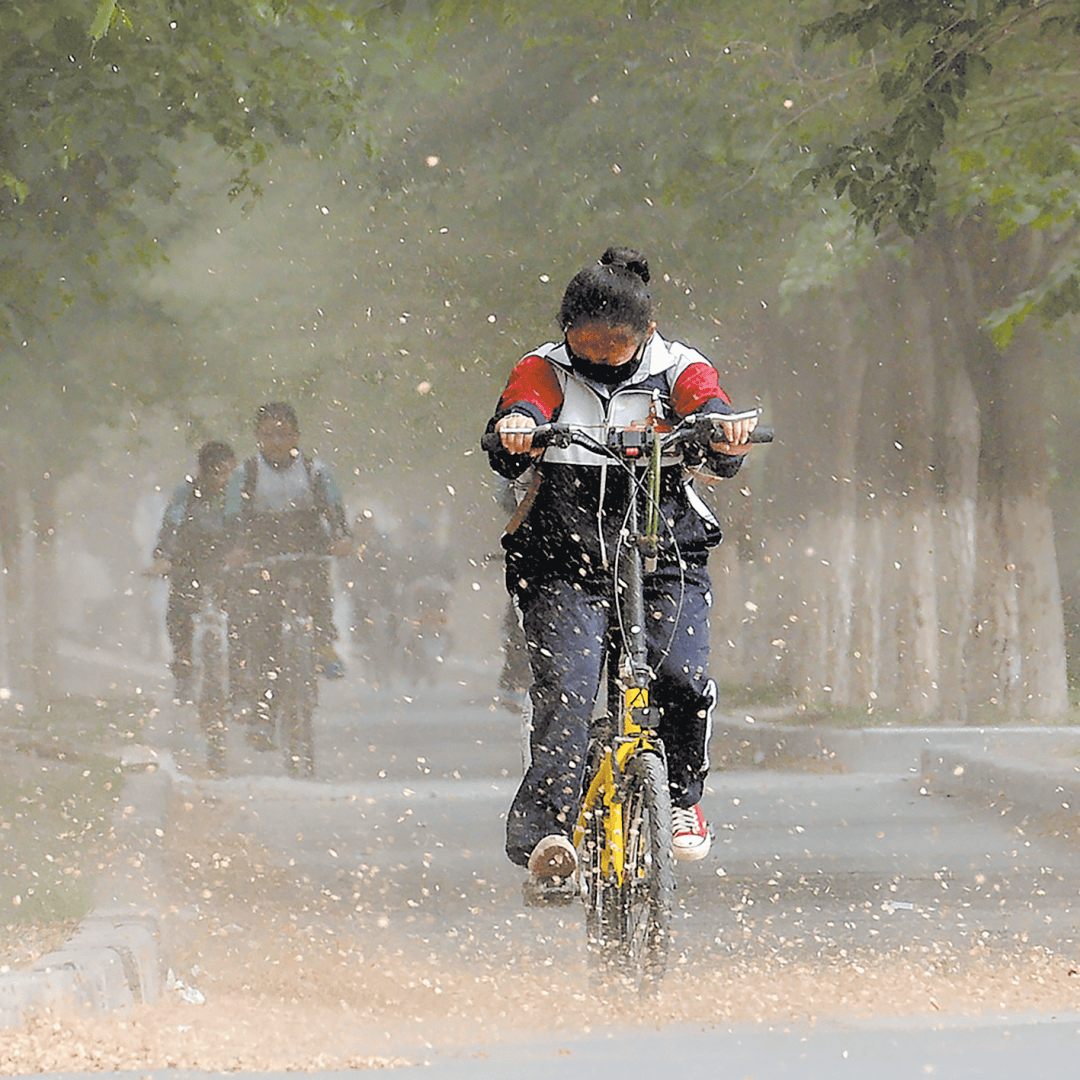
(697, 385)
(532, 382)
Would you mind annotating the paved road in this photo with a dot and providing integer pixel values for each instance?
(843, 861)
(819, 859)
(839, 859)
(994, 1050)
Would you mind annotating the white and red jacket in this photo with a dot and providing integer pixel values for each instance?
(573, 524)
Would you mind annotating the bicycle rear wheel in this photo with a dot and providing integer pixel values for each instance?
(298, 690)
(648, 887)
(213, 696)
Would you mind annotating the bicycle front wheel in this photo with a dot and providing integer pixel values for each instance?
(299, 696)
(213, 696)
(603, 901)
(648, 886)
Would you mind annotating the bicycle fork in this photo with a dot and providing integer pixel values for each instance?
(605, 795)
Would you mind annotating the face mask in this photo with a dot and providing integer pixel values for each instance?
(606, 374)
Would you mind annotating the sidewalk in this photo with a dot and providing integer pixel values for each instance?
(1033, 769)
(114, 959)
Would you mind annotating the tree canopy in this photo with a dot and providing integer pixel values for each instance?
(976, 114)
(418, 191)
(95, 97)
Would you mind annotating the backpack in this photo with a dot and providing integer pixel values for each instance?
(318, 490)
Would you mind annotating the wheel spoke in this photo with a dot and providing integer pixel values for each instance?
(628, 926)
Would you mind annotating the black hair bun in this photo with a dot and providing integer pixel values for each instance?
(627, 259)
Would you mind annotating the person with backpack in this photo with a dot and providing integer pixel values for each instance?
(280, 501)
(190, 549)
(610, 367)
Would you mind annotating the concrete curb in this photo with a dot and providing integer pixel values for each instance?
(113, 959)
(1035, 771)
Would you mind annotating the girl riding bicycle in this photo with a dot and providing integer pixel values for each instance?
(611, 368)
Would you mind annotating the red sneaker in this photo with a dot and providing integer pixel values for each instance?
(690, 834)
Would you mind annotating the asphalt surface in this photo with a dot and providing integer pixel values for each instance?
(1000, 1049)
(836, 777)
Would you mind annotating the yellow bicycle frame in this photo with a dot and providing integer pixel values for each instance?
(603, 796)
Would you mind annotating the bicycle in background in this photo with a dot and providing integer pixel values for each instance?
(207, 685)
(210, 652)
(279, 691)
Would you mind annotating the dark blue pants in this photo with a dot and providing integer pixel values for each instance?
(565, 626)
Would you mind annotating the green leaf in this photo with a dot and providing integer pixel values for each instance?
(18, 189)
(102, 20)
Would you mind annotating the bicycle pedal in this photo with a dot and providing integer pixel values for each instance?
(549, 892)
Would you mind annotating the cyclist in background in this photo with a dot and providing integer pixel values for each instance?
(611, 367)
(190, 549)
(282, 502)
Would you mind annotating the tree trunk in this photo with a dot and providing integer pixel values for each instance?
(960, 472)
(14, 602)
(1043, 689)
(870, 656)
(843, 556)
(1022, 609)
(44, 613)
(913, 398)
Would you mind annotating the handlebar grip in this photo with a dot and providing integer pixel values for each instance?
(705, 434)
(549, 434)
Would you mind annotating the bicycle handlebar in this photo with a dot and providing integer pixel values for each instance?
(696, 428)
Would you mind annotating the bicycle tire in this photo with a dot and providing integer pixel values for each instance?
(298, 690)
(212, 698)
(648, 887)
(602, 898)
